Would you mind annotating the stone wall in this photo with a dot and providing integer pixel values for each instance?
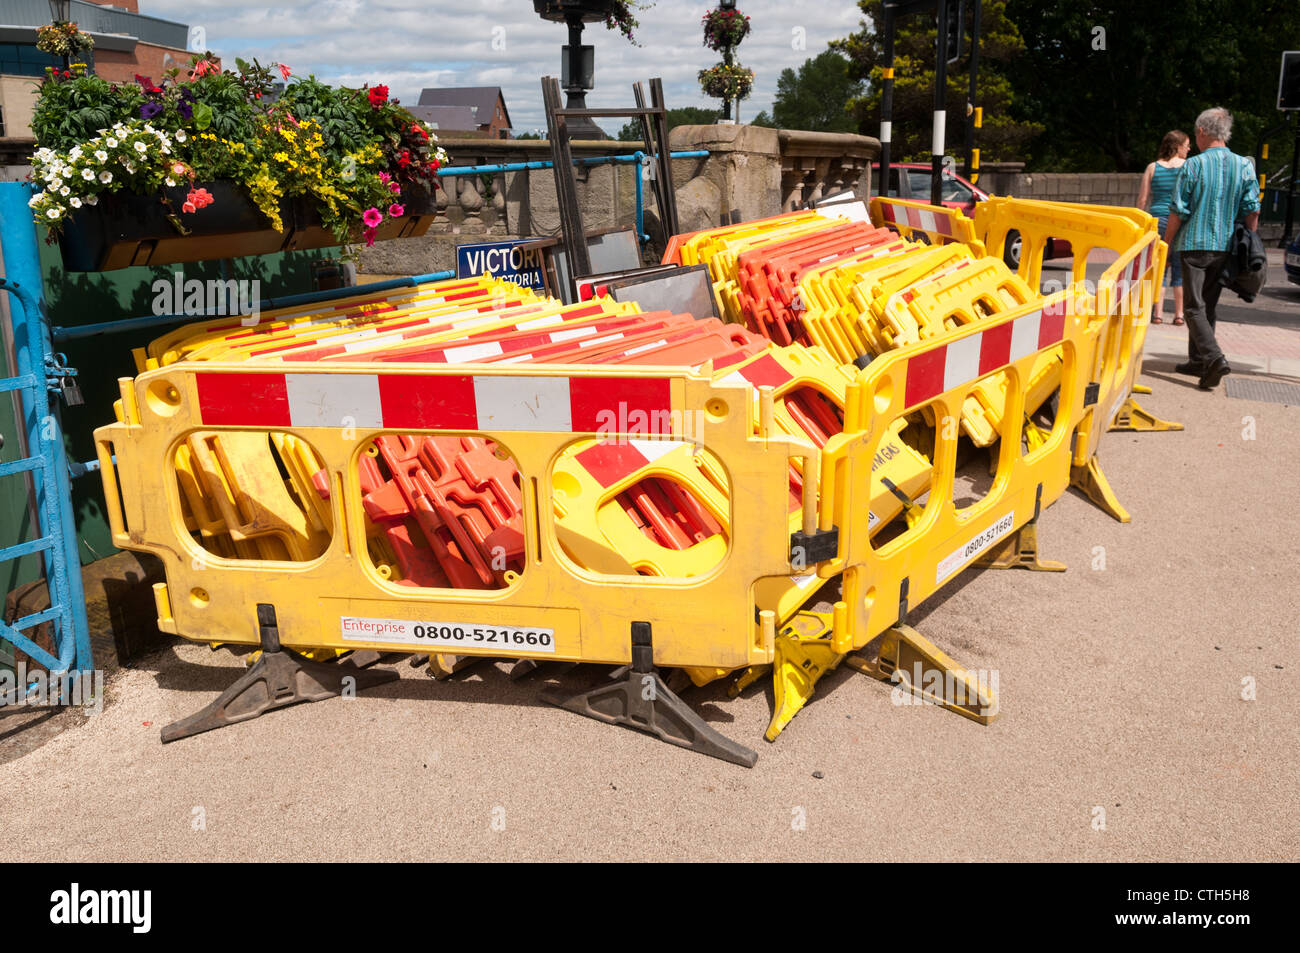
(502, 205)
(1095, 188)
(755, 171)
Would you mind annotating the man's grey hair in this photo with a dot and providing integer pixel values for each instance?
(1216, 123)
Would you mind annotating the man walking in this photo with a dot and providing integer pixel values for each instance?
(1213, 188)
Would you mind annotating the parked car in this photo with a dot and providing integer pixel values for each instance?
(911, 180)
(1291, 261)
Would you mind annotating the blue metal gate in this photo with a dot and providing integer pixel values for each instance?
(37, 383)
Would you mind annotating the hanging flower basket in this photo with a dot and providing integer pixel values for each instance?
(724, 29)
(200, 168)
(62, 38)
(726, 82)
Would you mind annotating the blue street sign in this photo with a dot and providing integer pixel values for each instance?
(502, 260)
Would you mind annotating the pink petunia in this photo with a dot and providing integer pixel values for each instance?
(372, 217)
(384, 177)
(396, 211)
(370, 237)
(394, 188)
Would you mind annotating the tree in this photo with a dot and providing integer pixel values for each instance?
(1108, 79)
(815, 98)
(1002, 136)
(684, 116)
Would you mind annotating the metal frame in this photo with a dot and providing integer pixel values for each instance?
(36, 381)
(654, 126)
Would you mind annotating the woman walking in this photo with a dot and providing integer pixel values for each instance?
(1157, 189)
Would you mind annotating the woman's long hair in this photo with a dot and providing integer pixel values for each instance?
(1170, 144)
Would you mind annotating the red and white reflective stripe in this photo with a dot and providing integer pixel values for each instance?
(1138, 267)
(940, 369)
(432, 401)
(765, 371)
(927, 219)
(611, 461)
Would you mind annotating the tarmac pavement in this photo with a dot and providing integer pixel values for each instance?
(1147, 698)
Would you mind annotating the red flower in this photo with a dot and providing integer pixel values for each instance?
(197, 199)
(146, 83)
(189, 207)
(378, 96)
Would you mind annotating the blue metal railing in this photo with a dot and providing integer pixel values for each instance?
(638, 157)
(47, 465)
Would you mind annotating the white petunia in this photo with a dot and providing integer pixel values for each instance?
(92, 199)
(53, 213)
(140, 147)
(101, 155)
(74, 153)
(88, 175)
(180, 135)
(106, 177)
(35, 199)
(56, 182)
(65, 190)
(111, 142)
(75, 202)
(170, 181)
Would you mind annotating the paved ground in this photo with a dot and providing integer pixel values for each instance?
(1121, 685)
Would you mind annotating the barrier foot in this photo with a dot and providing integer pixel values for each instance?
(919, 668)
(524, 667)
(1093, 482)
(281, 677)
(640, 699)
(1020, 552)
(1132, 417)
(798, 665)
(442, 666)
(1141, 389)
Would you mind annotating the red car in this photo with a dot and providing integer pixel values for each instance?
(911, 180)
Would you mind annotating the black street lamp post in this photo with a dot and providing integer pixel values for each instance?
(61, 12)
(578, 74)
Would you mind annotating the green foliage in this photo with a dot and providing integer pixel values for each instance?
(763, 119)
(1105, 99)
(342, 113)
(816, 97)
(73, 110)
(684, 116)
(1004, 135)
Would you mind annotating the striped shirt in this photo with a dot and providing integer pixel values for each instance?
(1163, 178)
(1212, 189)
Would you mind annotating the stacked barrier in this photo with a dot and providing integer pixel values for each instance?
(468, 468)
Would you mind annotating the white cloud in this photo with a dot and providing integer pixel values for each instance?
(410, 44)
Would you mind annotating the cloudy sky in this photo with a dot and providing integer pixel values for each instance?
(410, 44)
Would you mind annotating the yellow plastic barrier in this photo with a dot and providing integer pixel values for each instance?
(939, 224)
(359, 311)
(782, 497)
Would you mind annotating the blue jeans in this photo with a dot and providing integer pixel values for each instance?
(1175, 262)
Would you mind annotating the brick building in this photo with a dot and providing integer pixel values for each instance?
(126, 42)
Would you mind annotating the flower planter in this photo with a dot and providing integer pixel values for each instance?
(127, 229)
(308, 232)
